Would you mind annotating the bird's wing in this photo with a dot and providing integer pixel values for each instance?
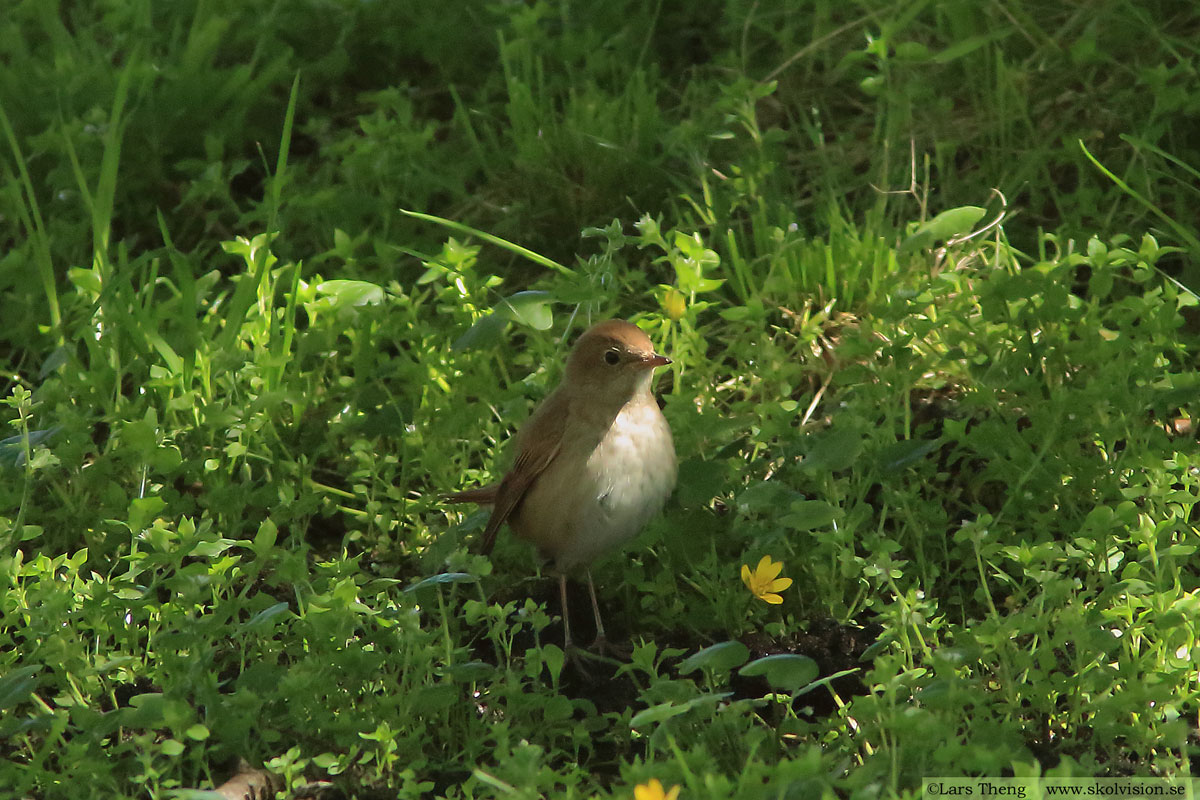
(538, 444)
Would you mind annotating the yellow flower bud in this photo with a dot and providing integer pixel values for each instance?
(674, 303)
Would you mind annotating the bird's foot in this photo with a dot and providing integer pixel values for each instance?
(577, 658)
(603, 647)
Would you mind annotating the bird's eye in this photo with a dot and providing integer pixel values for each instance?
(612, 358)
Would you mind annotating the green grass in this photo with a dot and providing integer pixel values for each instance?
(274, 277)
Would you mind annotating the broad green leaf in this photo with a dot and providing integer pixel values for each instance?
(484, 332)
(665, 711)
(655, 714)
(531, 309)
(720, 657)
(342, 293)
(442, 578)
(786, 671)
(833, 450)
(946, 225)
(12, 449)
(807, 515)
(212, 548)
(969, 45)
(528, 308)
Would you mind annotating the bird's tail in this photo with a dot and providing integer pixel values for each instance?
(484, 495)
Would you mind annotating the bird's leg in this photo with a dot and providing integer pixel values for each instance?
(562, 594)
(602, 645)
(573, 654)
(601, 638)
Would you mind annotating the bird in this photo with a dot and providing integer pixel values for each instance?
(594, 462)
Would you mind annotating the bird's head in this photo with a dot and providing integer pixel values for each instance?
(612, 361)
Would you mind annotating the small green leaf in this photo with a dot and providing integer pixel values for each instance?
(17, 685)
(438, 697)
(469, 671)
(554, 658)
(165, 458)
(264, 539)
(140, 435)
(143, 510)
(557, 708)
(146, 710)
(765, 497)
(912, 51)
(325, 760)
(267, 616)
(197, 732)
(86, 280)
(58, 356)
(902, 454)
(1100, 284)
(700, 481)
(78, 560)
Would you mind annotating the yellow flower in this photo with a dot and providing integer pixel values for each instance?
(675, 304)
(764, 581)
(653, 790)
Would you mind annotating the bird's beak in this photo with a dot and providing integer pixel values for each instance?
(652, 361)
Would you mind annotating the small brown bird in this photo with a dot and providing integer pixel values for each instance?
(594, 462)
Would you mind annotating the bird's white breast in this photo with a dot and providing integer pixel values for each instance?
(591, 500)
